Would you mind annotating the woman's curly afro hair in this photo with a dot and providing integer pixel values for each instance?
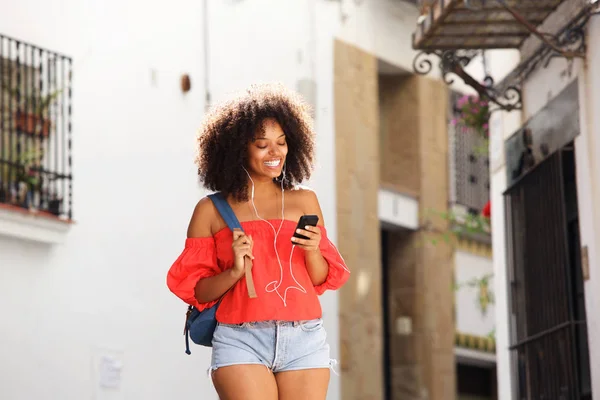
(229, 127)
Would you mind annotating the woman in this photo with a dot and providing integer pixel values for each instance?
(255, 150)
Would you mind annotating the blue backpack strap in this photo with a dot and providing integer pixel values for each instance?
(232, 222)
(225, 210)
(205, 328)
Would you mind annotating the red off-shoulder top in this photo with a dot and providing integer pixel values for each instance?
(283, 287)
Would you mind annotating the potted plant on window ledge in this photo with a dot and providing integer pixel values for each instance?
(30, 116)
(55, 205)
(474, 113)
(27, 178)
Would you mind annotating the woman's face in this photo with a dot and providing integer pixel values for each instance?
(267, 151)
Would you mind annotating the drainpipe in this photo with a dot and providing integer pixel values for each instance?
(205, 48)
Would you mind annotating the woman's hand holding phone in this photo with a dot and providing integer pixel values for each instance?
(313, 238)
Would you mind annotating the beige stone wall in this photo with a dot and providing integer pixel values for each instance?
(392, 131)
(420, 265)
(357, 179)
(437, 269)
(399, 167)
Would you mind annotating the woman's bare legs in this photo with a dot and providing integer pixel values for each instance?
(307, 384)
(245, 382)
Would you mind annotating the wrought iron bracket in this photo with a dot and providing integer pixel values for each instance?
(454, 62)
(573, 35)
(568, 46)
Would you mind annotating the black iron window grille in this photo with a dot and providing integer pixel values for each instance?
(35, 128)
(548, 318)
(469, 163)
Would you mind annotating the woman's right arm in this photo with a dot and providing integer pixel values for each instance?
(211, 288)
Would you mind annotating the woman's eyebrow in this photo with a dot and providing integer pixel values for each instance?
(265, 138)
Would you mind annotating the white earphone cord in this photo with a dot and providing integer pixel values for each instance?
(277, 283)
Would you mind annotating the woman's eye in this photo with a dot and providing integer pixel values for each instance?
(282, 144)
(262, 147)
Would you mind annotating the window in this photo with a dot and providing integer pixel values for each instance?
(35, 129)
(470, 171)
(469, 175)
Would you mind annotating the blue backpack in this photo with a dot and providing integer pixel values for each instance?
(200, 325)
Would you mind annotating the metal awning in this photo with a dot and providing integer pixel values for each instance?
(477, 24)
(456, 31)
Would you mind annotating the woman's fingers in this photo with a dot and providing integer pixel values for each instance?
(309, 244)
(312, 233)
(237, 233)
(243, 249)
(302, 242)
(242, 244)
(240, 237)
(246, 251)
(308, 234)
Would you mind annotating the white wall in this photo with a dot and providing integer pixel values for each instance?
(469, 316)
(502, 125)
(543, 85)
(588, 181)
(540, 87)
(103, 291)
(380, 27)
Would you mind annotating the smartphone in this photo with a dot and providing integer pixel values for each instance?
(303, 222)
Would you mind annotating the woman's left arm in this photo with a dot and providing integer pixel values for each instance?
(315, 262)
(325, 265)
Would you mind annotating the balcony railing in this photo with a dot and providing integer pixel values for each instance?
(35, 128)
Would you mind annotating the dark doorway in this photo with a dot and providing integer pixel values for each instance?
(549, 337)
(475, 382)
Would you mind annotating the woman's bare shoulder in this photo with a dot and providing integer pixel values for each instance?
(203, 219)
(307, 199)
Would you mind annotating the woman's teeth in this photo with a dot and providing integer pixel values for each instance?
(272, 163)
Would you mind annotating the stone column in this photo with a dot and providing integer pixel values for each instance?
(357, 179)
(420, 265)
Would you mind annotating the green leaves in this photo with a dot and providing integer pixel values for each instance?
(485, 295)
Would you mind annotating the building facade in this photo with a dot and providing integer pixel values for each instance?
(558, 116)
(83, 259)
(402, 170)
(544, 160)
(86, 291)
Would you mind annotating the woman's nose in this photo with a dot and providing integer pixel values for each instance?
(273, 150)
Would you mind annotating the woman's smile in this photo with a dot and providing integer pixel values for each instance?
(267, 151)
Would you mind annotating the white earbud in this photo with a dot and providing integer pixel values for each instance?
(283, 176)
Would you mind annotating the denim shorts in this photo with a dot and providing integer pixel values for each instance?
(278, 345)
